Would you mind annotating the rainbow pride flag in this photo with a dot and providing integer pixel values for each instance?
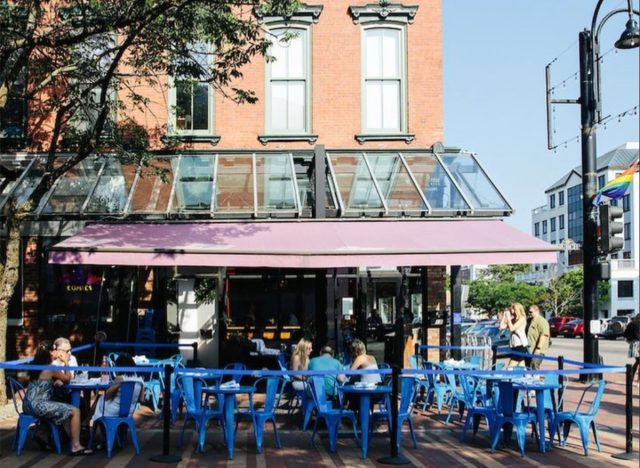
(617, 187)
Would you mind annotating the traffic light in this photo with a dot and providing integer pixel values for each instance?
(610, 225)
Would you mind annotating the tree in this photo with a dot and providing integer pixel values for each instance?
(493, 295)
(563, 295)
(76, 56)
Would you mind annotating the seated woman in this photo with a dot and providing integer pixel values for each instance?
(300, 361)
(111, 407)
(38, 400)
(364, 361)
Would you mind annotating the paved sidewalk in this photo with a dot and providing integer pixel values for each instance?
(438, 444)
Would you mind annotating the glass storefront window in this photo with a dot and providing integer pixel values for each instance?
(234, 184)
(153, 188)
(112, 190)
(194, 184)
(472, 180)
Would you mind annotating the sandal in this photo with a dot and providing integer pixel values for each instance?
(81, 452)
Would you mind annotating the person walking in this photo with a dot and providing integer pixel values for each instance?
(632, 335)
(538, 337)
(515, 321)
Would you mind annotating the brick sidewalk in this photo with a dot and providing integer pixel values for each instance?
(438, 444)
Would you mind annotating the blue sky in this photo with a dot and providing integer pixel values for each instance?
(495, 53)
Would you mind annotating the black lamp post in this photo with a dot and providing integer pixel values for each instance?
(590, 117)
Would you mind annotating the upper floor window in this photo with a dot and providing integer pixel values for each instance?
(383, 80)
(627, 231)
(601, 181)
(288, 82)
(561, 197)
(544, 227)
(626, 202)
(553, 224)
(191, 96)
(561, 222)
(552, 200)
(536, 229)
(625, 288)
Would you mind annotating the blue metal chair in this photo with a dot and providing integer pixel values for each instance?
(26, 421)
(259, 417)
(423, 382)
(549, 412)
(441, 390)
(330, 415)
(506, 415)
(153, 386)
(476, 360)
(474, 403)
(236, 366)
(111, 424)
(582, 420)
(408, 388)
(196, 410)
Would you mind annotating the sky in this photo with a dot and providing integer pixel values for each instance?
(494, 56)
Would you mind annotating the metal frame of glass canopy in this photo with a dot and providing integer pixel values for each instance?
(266, 184)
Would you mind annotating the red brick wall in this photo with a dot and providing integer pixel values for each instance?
(336, 94)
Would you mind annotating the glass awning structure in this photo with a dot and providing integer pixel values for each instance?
(232, 185)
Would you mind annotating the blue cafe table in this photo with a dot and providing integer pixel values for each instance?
(76, 388)
(365, 395)
(539, 388)
(228, 395)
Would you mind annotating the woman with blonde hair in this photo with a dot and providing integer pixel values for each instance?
(300, 361)
(364, 361)
(515, 320)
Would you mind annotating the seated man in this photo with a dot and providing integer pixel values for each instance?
(326, 361)
(62, 354)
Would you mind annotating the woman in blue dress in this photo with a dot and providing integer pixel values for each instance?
(39, 398)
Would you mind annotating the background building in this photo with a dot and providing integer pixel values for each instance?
(559, 222)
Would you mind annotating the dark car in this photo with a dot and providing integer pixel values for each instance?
(574, 328)
(556, 323)
(616, 327)
(498, 337)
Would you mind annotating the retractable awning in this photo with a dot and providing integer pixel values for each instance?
(304, 244)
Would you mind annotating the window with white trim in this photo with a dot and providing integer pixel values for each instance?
(383, 80)
(288, 82)
(191, 96)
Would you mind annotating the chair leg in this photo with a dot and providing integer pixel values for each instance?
(21, 436)
(134, 436)
(315, 430)
(595, 435)
(275, 431)
(521, 435)
(413, 433)
(566, 427)
(495, 438)
(467, 424)
(584, 436)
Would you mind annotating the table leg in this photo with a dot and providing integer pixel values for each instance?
(229, 427)
(364, 423)
(540, 413)
(75, 397)
(553, 419)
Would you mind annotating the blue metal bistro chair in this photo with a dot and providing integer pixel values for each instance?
(26, 421)
(259, 417)
(200, 413)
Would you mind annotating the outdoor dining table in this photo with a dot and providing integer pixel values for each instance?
(228, 395)
(77, 387)
(539, 388)
(365, 394)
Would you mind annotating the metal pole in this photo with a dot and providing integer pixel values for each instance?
(494, 356)
(561, 382)
(394, 458)
(166, 457)
(194, 345)
(588, 106)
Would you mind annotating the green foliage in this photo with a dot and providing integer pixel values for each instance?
(494, 295)
(205, 291)
(505, 272)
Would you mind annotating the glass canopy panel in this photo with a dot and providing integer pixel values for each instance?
(28, 184)
(234, 184)
(153, 189)
(303, 165)
(7, 188)
(473, 181)
(194, 185)
(274, 182)
(394, 182)
(355, 183)
(112, 190)
(73, 187)
(436, 185)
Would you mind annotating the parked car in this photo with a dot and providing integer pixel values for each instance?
(498, 337)
(556, 323)
(574, 328)
(616, 327)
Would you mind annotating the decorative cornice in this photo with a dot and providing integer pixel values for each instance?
(213, 140)
(383, 11)
(304, 14)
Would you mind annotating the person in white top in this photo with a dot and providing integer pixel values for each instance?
(111, 407)
(62, 353)
(515, 320)
(364, 361)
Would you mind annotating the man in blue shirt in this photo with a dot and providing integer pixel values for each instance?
(324, 362)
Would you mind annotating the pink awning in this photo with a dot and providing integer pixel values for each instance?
(304, 244)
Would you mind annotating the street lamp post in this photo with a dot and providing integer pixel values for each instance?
(589, 118)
